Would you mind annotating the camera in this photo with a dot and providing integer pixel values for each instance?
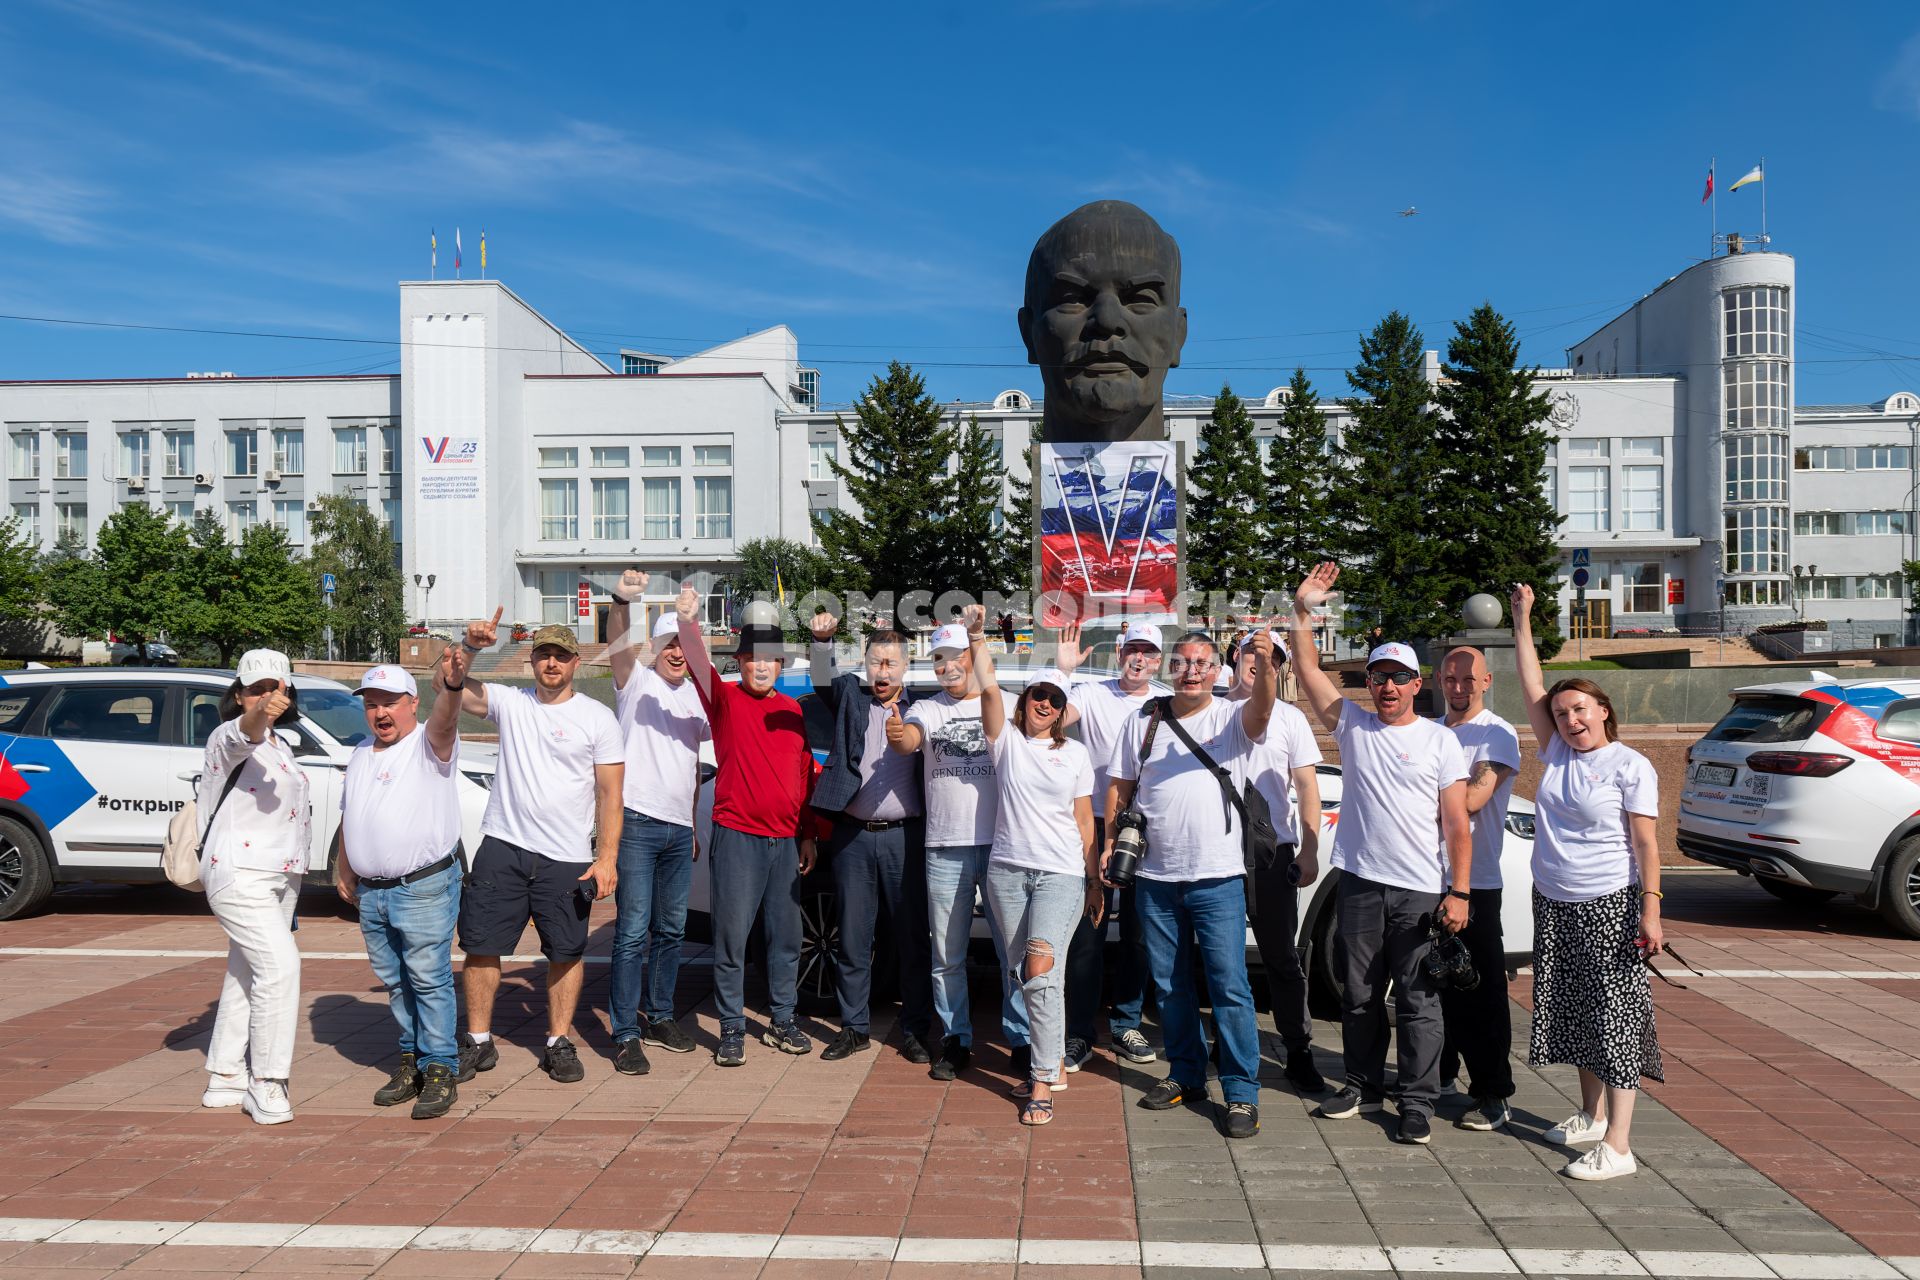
(1129, 846)
(1449, 963)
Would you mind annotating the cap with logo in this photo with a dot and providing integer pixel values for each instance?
(388, 680)
(263, 664)
(667, 624)
(952, 638)
(1141, 633)
(1397, 653)
(559, 635)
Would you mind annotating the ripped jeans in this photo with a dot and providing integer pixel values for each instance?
(1036, 912)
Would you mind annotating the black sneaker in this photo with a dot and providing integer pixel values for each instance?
(405, 1084)
(438, 1093)
(476, 1055)
(1133, 1046)
(1349, 1102)
(561, 1062)
(733, 1049)
(1303, 1073)
(914, 1049)
(1414, 1128)
(787, 1038)
(845, 1045)
(1487, 1115)
(1022, 1067)
(629, 1059)
(1078, 1051)
(666, 1033)
(953, 1059)
(1243, 1119)
(1165, 1096)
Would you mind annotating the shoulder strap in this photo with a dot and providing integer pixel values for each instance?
(1233, 799)
(233, 780)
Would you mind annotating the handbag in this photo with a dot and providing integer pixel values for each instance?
(1259, 841)
(180, 854)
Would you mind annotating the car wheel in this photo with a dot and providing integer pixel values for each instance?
(819, 940)
(1900, 895)
(1800, 895)
(26, 878)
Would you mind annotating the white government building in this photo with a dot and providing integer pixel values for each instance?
(519, 470)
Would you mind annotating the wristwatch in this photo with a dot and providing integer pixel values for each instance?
(1455, 893)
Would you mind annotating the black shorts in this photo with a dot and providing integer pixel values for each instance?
(507, 885)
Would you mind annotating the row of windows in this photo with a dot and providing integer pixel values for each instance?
(70, 518)
(1756, 396)
(1757, 540)
(1754, 593)
(1872, 586)
(1846, 523)
(1630, 447)
(615, 457)
(1756, 468)
(1876, 457)
(289, 452)
(659, 508)
(1589, 498)
(1756, 322)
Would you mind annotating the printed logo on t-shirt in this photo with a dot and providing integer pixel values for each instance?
(960, 738)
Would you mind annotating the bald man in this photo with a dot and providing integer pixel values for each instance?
(1479, 1024)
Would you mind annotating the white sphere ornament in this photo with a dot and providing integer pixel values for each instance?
(763, 613)
(1482, 612)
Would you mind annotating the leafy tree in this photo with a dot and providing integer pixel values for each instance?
(134, 591)
(1223, 503)
(20, 584)
(273, 600)
(207, 576)
(1299, 530)
(1398, 576)
(70, 581)
(972, 542)
(769, 564)
(1492, 446)
(369, 611)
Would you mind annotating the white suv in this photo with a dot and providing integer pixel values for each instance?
(94, 764)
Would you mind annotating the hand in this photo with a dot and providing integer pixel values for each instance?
(1317, 586)
(605, 875)
(896, 726)
(484, 635)
(1096, 905)
(1069, 655)
(276, 704)
(1106, 858)
(454, 665)
(632, 585)
(687, 604)
(1262, 642)
(1452, 915)
(1308, 863)
(1522, 603)
(345, 882)
(1652, 936)
(696, 845)
(824, 626)
(975, 617)
(807, 853)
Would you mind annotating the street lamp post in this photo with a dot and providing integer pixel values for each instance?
(425, 583)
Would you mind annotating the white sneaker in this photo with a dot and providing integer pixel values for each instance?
(1601, 1163)
(224, 1091)
(1577, 1128)
(266, 1101)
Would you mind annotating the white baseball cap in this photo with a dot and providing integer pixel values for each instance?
(263, 664)
(667, 624)
(388, 680)
(1140, 633)
(1395, 652)
(952, 637)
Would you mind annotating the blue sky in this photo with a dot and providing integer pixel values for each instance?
(874, 176)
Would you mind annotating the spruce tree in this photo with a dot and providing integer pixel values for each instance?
(1224, 483)
(971, 546)
(1017, 537)
(1398, 576)
(1298, 532)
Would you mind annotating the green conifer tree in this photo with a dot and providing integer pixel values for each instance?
(1224, 483)
(1299, 533)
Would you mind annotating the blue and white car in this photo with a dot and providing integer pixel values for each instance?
(95, 762)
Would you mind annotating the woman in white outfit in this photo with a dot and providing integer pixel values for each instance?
(251, 864)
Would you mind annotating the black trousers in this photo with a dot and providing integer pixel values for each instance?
(1273, 903)
(1087, 987)
(1480, 1021)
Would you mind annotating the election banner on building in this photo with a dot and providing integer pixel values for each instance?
(1107, 531)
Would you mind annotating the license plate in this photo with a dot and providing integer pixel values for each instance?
(1714, 775)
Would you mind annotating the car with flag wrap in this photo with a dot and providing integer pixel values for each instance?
(1812, 787)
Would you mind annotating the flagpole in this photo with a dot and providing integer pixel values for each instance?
(1713, 198)
(1763, 204)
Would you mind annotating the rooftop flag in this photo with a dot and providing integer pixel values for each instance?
(1754, 174)
(483, 252)
(433, 251)
(1708, 193)
(456, 251)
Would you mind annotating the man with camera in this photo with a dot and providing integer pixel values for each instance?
(1178, 829)
(1404, 850)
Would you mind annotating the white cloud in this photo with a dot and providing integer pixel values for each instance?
(1899, 87)
(51, 206)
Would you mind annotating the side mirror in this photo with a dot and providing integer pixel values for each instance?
(290, 737)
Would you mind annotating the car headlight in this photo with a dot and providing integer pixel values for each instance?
(484, 781)
(1521, 824)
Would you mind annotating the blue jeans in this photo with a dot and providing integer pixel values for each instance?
(754, 875)
(954, 872)
(409, 935)
(871, 870)
(656, 866)
(1036, 911)
(1207, 919)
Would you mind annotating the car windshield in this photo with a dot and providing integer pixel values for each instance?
(337, 712)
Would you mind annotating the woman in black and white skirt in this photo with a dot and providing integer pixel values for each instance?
(1596, 907)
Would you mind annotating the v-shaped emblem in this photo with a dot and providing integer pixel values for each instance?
(1153, 467)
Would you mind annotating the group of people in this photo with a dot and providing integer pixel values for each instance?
(924, 801)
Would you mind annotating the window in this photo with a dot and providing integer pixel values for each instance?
(819, 454)
(713, 455)
(240, 446)
(291, 515)
(26, 455)
(1592, 448)
(1821, 523)
(821, 519)
(610, 508)
(1756, 540)
(1550, 485)
(660, 455)
(350, 451)
(1647, 591)
(1820, 458)
(69, 455)
(632, 364)
(1643, 498)
(559, 509)
(660, 517)
(1756, 321)
(556, 458)
(1754, 593)
(1871, 522)
(70, 521)
(241, 516)
(106, 713)
(390, 512)
(1587, 499)
(179, 446)
(1879, 586)
(133, 455)
(713, 506)
(1834, 588)
(28, 514)
(389, 450)
(1756, 395)
(289, 450)
(1756, 468)
(556, 596)
(1881, 457)
(810, 388)
(609, 457)
(181, 511)
(1643, 447)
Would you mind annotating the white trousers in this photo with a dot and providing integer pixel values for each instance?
(260, 998)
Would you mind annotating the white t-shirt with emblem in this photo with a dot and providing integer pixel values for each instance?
(1105, 708)
(1188, 836)
(664, 725)
(1581, 844)
(543, 793)
(399, 806)
(1391, 777)
(1487, 737)
(1040, 782)
(962, 799)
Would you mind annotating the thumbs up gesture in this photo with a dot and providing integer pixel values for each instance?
(276, 703)
(632, 585)
(484, 634)
(896, 727)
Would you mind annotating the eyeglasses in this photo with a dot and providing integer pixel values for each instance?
(1192, 664)
(1401, 678)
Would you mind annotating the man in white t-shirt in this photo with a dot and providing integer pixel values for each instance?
(1479, 1025)
(1190, 885)
(962, 801)
(663, 724)
(1100, 709)
(1403, 850)
(400, 864)
(555, 791)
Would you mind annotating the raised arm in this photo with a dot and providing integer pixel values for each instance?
(1257, 711)
(1533, 685)
(822, 663)
(1068, 656)
(993, 710)
(623, 655)
(1322, 694)
(443, 724)
(480, 635)
(693, 645)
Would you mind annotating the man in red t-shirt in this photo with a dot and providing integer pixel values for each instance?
(761, 842)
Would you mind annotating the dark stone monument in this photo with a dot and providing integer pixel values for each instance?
(1103, 321)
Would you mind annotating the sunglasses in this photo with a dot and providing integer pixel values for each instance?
(1401, 678)
(1051, 695)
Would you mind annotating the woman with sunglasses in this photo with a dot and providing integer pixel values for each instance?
(1043, 873)
(1596, 907)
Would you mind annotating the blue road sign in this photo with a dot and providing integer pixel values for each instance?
(1581, 578)
(327, 584)
(1582, 557)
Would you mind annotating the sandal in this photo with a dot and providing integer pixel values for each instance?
(1037, 1112)
(1021, 1089)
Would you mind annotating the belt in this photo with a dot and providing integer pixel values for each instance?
(875, 826)
(390, 882)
